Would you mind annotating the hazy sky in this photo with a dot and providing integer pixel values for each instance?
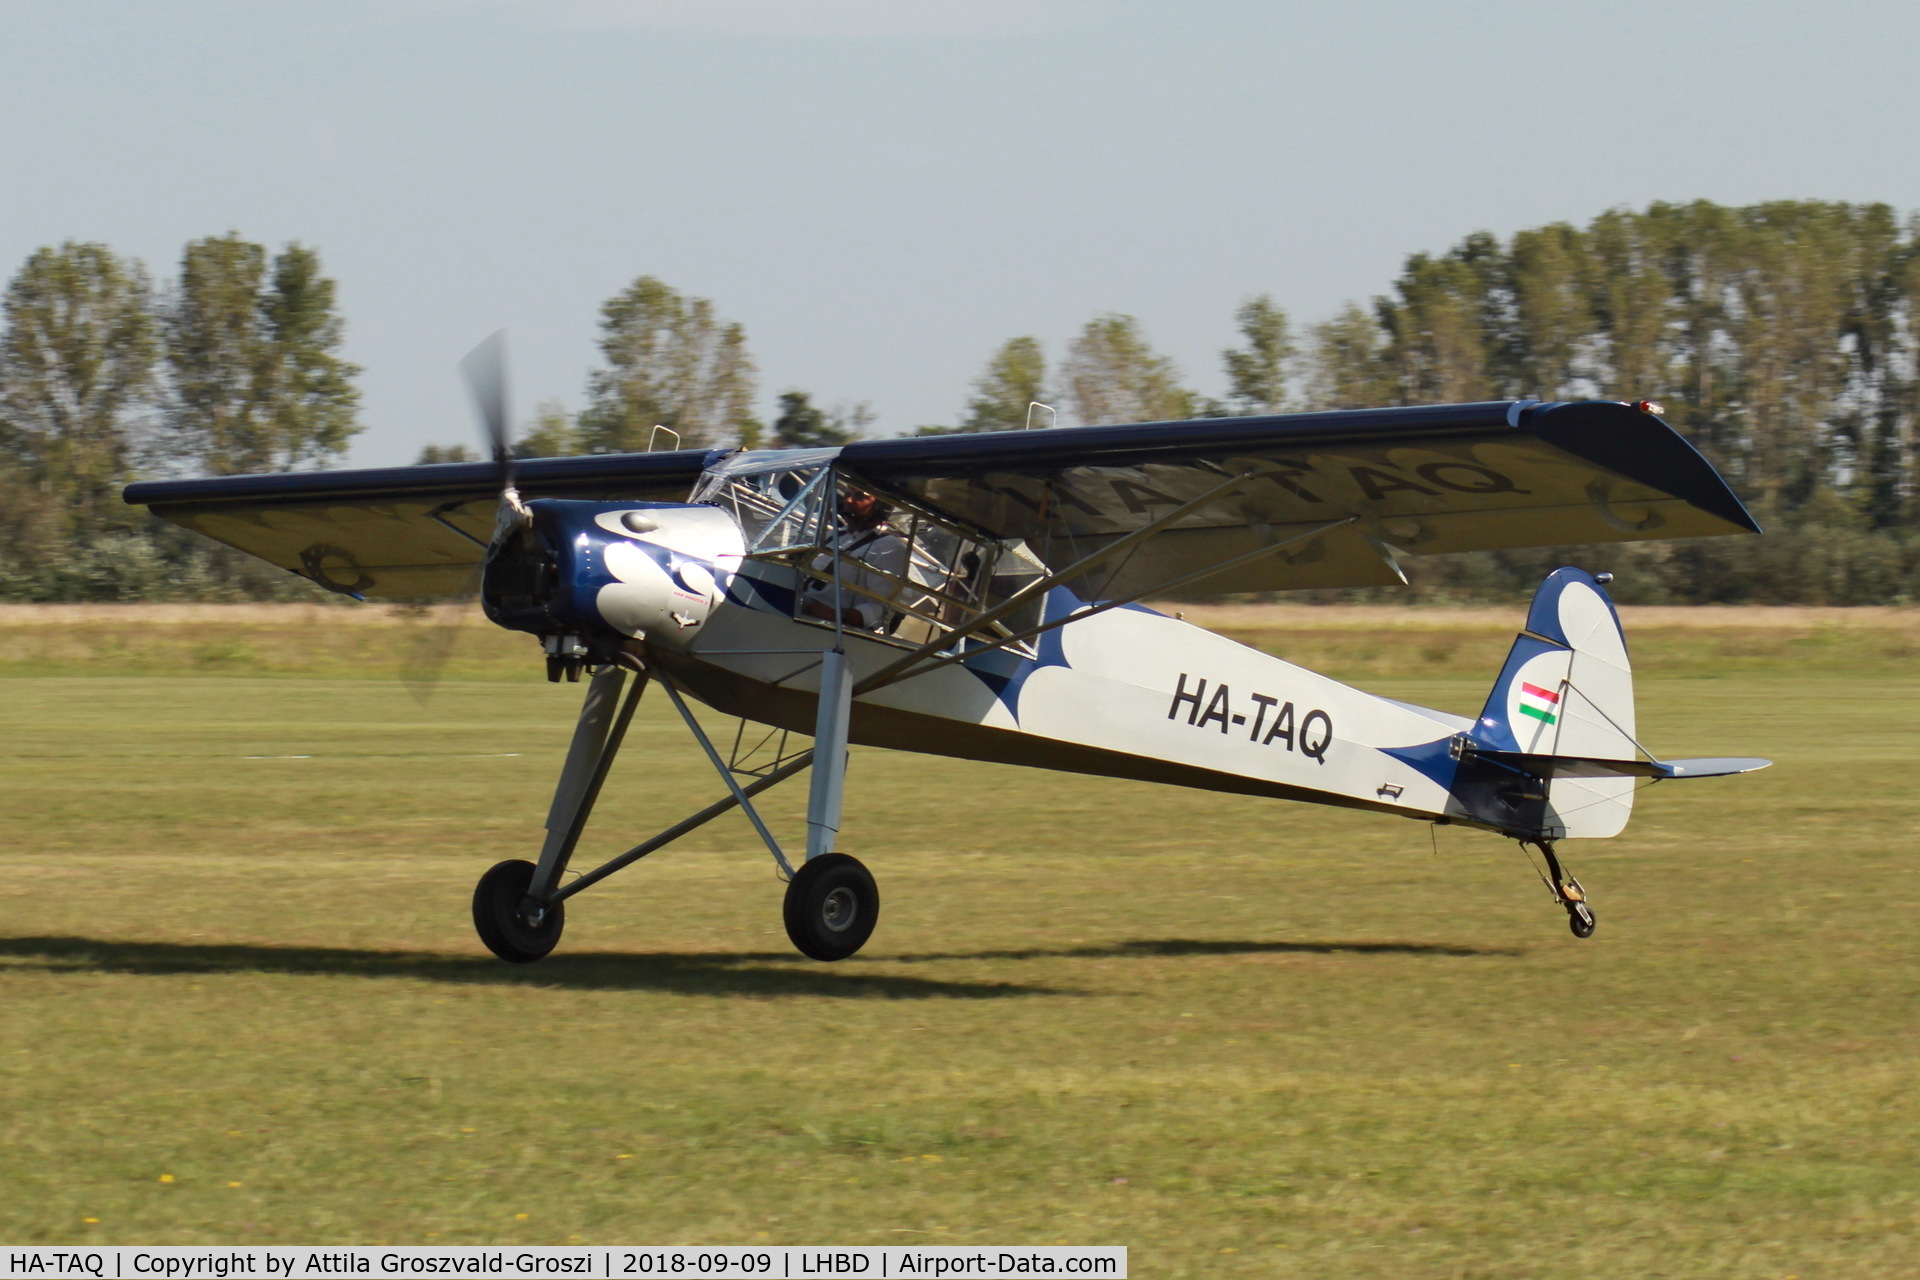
(882, 191)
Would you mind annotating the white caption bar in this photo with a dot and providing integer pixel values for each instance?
(721, 1262)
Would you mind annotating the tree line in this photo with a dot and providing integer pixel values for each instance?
(1783, 339)
(231, 367)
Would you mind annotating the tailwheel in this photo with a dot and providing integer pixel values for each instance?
(1566, 890)
(513, 926)
(831, 907)
(1573, 896)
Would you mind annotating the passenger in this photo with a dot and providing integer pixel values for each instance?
(872, 558)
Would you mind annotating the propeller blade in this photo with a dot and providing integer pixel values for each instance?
(432, 634)
(485, 368)
(432, 638)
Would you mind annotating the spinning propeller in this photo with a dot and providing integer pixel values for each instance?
(485, 370)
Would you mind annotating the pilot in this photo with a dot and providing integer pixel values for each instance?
(873, 557)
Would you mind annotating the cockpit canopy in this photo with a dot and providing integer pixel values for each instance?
(904, 572)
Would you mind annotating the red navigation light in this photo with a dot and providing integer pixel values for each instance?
(1649, 406)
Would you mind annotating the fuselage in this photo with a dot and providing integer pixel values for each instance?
(1126, 692)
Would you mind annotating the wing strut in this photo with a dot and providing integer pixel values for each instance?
(740, 796)
(678, 829)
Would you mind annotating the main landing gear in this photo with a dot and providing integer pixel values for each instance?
(513, 925)
(1567, 891)
(831, 907)
(832, 904)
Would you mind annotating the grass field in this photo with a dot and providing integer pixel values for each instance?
(243, 1003)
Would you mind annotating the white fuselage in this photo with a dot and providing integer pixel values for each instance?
(1128, 692)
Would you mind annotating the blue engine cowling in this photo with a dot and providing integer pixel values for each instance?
(591, 577)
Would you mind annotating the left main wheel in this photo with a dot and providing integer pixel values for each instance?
(831, 907)
(513, 926)
(1580, 920)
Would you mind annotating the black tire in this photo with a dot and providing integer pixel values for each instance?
(1580, 920)
(831, 907)
(507, 921)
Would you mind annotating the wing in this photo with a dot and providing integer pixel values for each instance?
(398, 532)
(1339, 496)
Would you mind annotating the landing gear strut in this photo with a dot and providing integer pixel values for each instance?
(831, 903)
(1567, 891)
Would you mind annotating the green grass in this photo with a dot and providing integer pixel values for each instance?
(1244, 1038)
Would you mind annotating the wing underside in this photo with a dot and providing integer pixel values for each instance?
(1340, 498)
(402, 532)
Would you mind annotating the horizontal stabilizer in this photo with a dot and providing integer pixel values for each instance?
(1551, 766)
(1713, 766)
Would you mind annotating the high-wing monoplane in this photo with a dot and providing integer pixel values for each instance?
(979, 597)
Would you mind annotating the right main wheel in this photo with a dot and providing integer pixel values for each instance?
(831, 907)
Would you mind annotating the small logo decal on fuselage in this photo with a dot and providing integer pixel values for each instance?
(1272, 719)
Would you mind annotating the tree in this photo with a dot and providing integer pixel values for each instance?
(671, 362)
(554, 434)
(1347, 367)
(1631, 300)
(1439, 340)
(76, 372)
(804, 425)
(315, 404)
(1113, 375)
(1015, 377)
(1783, 339)
(1552, 322)
(1895, 479)
(1257, 376)
(257, 384)
(855, 419)
(1796, 311)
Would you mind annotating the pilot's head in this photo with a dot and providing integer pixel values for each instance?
(862, 510)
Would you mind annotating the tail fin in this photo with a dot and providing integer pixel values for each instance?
(1567, 690)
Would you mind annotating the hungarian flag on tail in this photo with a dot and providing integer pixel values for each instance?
(1542, 704)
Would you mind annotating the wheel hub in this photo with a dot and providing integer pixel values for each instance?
(838, 910)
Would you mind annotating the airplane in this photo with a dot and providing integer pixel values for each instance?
(979, 596)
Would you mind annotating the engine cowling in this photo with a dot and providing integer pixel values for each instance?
(592, 577)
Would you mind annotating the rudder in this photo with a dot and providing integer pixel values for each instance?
(1567, 690)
